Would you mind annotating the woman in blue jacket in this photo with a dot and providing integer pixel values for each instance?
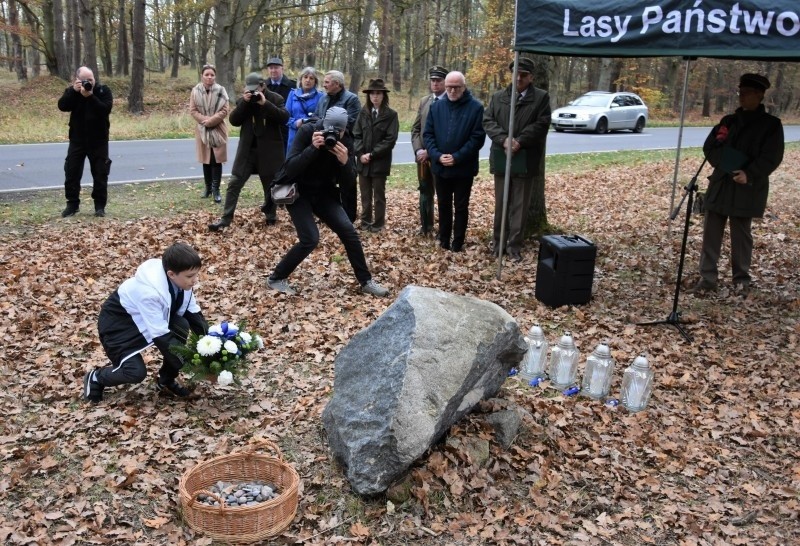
(302, 102)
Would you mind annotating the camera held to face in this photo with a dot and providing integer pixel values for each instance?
(331, 136)
(254, 95)
(86, 84)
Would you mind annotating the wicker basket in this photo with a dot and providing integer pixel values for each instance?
(245, 524)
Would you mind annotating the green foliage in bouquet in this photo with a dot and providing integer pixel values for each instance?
(220, 354)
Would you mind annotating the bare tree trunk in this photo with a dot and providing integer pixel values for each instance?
(17, 59)
(105, 42)
(604, 79)
(123, 55)
(236, 22)
(177, 32)
(89, 43)
(73, 34)
(35, 57)
(136, 95)
(395, 64)
(357, 73)
(56, 52)
(385, 40)
(159, 36)
(707, 91)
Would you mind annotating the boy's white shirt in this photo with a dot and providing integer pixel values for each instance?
(147, 299)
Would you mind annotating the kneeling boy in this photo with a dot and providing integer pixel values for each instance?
(156, 306)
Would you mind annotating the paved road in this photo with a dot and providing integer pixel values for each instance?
(41, 166)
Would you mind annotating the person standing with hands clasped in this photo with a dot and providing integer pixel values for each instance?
(454, 137)
(321, 158)
(424, 174)
(155, 307)
(89, 104)
(208, 105)
(744, 149)
(375, 135)
(261, 115)
(531, 124)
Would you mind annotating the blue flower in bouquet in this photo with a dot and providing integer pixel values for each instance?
(220, 354)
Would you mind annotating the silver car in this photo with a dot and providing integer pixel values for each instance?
(601, 112)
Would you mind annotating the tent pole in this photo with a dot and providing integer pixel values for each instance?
(507, 178)
(680, 134)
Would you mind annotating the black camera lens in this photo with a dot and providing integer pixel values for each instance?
(331, 136)
(86, 85)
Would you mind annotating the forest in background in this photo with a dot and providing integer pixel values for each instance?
(394, 39)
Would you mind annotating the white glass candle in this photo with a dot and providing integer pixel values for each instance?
(564, 362)
(534, 364)
(637, 385)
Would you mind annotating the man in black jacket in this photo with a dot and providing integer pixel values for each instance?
(261, 115)
(320, 160)
(89, 104)
(280, 84)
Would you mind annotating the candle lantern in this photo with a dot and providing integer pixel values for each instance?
(637, 384)
(564, 362)
(534, 364)
(598, 374)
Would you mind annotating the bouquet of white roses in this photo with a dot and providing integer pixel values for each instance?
(218, 354)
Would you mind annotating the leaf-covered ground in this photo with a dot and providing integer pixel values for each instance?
(712, 461)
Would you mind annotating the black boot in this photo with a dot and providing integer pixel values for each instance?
(218, 225)
(207, 179)
(216, 177)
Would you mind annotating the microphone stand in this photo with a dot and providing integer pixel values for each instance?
(674, 318)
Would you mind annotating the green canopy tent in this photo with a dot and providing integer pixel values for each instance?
(748, 29)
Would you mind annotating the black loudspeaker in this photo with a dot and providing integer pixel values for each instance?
(565, 271)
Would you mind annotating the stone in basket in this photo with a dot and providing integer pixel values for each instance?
(240, 524)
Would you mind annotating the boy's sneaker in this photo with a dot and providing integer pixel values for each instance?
(281, 285)
(173, 388)
(371, 287)
(92, 390)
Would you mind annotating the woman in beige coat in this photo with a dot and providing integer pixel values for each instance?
(208, 105)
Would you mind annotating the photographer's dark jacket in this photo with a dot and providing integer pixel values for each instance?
(531, 124)
(261, 128)
(138, 313)
(759, 136)
(455, 128)
(316, 170)
(344, 99)
(377, 137)
(89, 116)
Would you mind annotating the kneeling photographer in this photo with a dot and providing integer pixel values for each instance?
(319, 162)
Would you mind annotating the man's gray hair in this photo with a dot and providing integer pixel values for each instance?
(307, 70)
(336, 76)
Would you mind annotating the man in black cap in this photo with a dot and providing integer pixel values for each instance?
(424, 175)
(531, 123)
(261, 114)
(744, 149)
(280, 84)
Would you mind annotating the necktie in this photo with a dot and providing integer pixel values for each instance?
(374, 114)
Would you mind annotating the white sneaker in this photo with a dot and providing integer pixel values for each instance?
(371, 287)
(281, 285)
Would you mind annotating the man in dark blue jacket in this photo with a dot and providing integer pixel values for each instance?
(454, 137)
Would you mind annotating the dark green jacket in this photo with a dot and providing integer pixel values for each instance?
(531, 123)
(377, 137)
(759, 137)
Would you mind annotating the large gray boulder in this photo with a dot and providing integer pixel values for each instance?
(402, 382)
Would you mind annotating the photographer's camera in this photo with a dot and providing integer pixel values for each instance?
(86, 84)
(255, 95)
(331, 136)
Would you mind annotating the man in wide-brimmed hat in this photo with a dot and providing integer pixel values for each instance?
(374, 135)
(437, 74)
(526, 147)
(744, 149)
